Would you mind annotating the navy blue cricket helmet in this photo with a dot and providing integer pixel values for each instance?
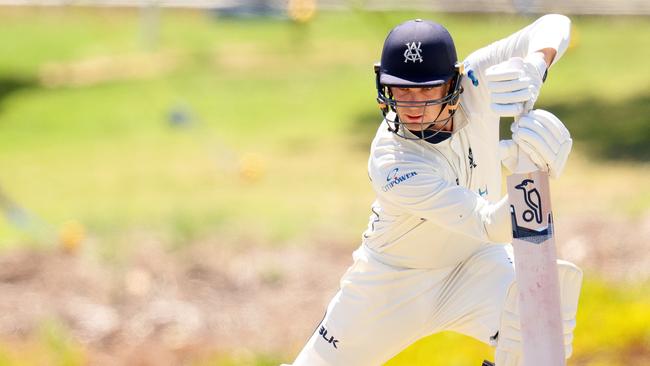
(418, 54)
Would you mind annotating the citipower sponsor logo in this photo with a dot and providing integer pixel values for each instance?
(394, 178)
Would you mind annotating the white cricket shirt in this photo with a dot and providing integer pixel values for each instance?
(438, 203)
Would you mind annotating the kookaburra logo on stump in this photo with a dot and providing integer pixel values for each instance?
(412, 52)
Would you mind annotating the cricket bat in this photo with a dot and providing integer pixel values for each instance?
(535, 269)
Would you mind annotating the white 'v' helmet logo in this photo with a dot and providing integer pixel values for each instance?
(412, 52)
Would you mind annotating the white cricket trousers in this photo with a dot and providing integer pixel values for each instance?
(381, 309)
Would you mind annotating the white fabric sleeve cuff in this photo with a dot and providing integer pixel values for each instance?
(497, 221)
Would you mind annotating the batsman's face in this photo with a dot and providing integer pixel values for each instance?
(418, 118)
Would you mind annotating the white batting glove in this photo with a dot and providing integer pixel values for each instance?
(545, 139)
(514, 84)
(514, 159)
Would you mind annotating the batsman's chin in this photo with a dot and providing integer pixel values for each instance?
(415, 126)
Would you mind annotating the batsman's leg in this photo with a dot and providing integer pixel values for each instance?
(378, 311)
(509, 346)
(481, 302)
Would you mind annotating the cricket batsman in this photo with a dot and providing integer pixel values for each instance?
(436, 255)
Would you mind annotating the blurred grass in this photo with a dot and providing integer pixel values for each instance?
(106, 155)
(53, 346)
(280, 119)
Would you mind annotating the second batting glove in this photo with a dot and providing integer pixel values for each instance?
(545, 139)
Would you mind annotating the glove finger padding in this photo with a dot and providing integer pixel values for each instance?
(515, 82)
(507, 110)
(532, 150)
(563, 155)
(549, 122)
(507, 70)
(545, 138)
(534, 127)
(537, 148)
(508, 85)
(505, 78)
(542, 152)
(514, 159)
(511, 96)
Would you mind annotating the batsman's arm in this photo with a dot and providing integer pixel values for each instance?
(511, 71)
(423, 191)
(549, 35)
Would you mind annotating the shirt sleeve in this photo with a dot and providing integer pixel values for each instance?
(549, 31)
(420, 190)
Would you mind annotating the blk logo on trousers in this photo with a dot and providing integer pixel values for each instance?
(330, 339)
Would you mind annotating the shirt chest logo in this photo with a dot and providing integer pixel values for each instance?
(394, 178)
(470, 156)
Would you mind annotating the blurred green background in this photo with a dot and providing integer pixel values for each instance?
(118, 126)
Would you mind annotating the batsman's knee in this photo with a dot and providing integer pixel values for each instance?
(509, 346)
